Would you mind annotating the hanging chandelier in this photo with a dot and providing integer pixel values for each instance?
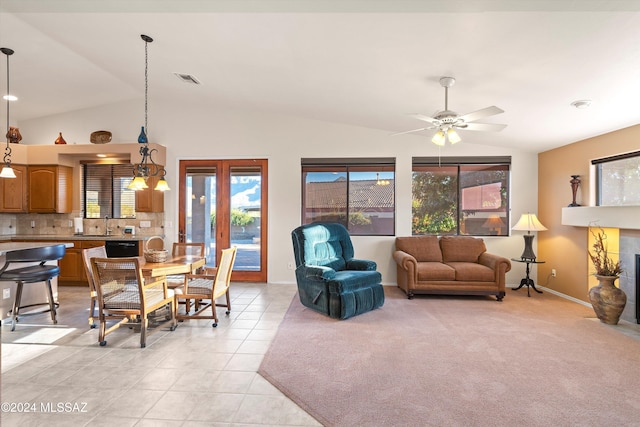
(147, 166)
(7, 170)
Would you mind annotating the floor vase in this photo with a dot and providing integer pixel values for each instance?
(608, 301)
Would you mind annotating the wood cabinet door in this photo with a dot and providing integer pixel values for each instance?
(71, 266)
(150, 200)
(13, 192)
(42, 189)
(50, 189)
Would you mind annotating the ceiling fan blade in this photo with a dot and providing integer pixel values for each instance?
(490, 127)
(427, 119)
(409, 131)
(481, 114)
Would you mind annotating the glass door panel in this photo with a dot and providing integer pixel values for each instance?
(200, 210)
(245, 216)
(222, 203)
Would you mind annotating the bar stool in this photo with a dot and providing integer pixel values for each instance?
(33, 274)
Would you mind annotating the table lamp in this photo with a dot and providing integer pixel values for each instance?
(528, 222)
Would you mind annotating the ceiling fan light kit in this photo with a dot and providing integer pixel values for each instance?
(446, 121)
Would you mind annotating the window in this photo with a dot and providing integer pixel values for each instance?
(468, 195)
(358, 193)
(105, 192)
(618, 180)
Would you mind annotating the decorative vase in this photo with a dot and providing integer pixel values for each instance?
(608, 301)
(142, 138)
(13, 135)
(575, 183)
(60, 139)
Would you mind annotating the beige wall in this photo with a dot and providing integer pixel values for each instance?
(565, 247)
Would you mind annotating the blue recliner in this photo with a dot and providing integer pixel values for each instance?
(330, 280)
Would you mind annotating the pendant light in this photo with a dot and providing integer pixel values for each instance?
(147, 166)
(7, 170)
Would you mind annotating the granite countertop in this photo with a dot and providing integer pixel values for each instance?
(54, 237)
(8, 246)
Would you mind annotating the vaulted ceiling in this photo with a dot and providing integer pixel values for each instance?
(364, 63)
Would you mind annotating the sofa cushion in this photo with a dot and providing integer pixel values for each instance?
(472, 272)
(428, 271)
(461, 248)
(423, 248)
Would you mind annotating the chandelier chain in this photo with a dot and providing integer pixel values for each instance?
(7, 153)
(146, 83)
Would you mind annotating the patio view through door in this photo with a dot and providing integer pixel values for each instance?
(223, 204)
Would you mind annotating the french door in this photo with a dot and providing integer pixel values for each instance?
(223, 204)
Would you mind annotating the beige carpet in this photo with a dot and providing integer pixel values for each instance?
(458, 361)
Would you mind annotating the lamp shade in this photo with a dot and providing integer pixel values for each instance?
(439, 138)
(7, 172)
(529, 222)
(162, 185)
(138, 183)
(453, 136)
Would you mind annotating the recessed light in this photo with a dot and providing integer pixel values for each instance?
(10, 97)
(582, 103)
(101, 155)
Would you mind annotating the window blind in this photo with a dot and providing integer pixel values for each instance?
(105, 192)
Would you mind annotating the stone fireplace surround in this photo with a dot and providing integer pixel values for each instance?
(626, 219)
(629, 249)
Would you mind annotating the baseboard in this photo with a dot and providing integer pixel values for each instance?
(561, 295)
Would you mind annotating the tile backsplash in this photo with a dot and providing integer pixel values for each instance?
(62, 224)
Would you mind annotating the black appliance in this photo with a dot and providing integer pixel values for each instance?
(122, 248)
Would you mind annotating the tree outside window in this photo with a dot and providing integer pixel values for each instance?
(462, 198)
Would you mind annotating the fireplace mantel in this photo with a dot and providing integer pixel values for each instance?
(624, 217)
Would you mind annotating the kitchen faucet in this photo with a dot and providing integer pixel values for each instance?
(107, 230)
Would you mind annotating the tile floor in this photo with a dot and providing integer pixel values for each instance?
(194, 376)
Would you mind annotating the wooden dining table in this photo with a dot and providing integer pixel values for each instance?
(183, 264)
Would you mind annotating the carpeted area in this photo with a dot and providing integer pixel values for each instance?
(458, 361)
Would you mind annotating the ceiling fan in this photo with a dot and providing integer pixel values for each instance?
(447, 121)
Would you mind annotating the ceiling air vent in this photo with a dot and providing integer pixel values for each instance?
(187, 78)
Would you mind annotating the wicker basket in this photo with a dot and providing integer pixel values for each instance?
(155, 255)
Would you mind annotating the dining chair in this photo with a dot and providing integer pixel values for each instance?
(206, 288)
(87, 254)
(123, 295)
(183, 249)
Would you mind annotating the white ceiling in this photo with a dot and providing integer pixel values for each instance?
(359, 62)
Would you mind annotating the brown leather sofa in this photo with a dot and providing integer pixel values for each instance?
(452, 265)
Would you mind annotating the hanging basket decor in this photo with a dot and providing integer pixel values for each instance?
(155, 255)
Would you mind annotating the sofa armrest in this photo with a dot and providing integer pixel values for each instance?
(318, 272)
(494, 262)
(361, 264)
(405, 261)
(499, 265)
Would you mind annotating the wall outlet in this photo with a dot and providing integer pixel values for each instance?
(33, 224)
(6, 293)
(145, 224)
(553, 272)
(290, 266)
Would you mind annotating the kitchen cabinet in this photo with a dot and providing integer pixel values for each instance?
(50, 189)
(72, 265)
(150, 200)
(13, 191)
